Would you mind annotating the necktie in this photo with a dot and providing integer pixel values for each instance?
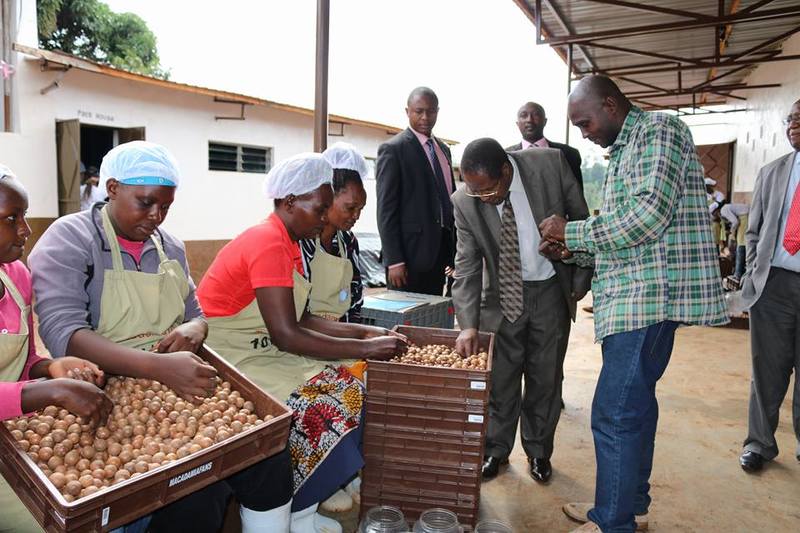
(510, 265)
(441, 188)
(791, 237)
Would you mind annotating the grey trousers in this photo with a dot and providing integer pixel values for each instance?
(775, 346)
(531, 349)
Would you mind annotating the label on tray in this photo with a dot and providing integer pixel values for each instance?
(193, 472)
(477, 419)
(477, 385)
(106, 514)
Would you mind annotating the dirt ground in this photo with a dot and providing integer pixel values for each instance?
(697, 482)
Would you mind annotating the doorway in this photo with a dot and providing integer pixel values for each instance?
(83, 144)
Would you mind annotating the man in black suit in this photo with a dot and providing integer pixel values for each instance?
(415, 216)
(531, 121)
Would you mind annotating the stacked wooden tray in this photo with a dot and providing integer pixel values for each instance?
(424, 432)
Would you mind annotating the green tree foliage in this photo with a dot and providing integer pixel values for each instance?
(593, 178)
(89, 29)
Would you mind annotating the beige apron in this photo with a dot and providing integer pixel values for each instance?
(243, 340)
(14, 516)
(330, 286)
(137, 308)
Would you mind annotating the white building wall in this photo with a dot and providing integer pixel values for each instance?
(759, 134)
(210, 205)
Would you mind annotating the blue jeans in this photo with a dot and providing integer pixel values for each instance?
(624, 419)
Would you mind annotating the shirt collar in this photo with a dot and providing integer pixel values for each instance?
(421, 136)
(633, 116)
(541, 143)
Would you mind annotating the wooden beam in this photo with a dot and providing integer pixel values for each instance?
(735, 18)
(654, 9)
(755, 6)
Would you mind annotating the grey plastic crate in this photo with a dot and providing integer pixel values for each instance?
(413, 310)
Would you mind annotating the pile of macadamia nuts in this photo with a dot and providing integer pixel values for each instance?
(443, 356)
(149, 426)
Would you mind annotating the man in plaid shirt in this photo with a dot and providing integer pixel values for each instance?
(655, 267)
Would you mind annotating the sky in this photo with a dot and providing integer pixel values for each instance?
(479, 56)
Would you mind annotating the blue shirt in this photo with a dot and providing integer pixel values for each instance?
(780, 257)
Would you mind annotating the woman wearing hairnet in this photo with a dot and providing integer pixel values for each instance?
(254, 295)
(114, 288)
(331, 264)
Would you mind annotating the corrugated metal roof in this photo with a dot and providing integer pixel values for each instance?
(671, 53)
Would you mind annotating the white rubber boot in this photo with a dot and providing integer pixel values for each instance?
(309, 521)
(353, 489)
(275, 520)
(339, 502)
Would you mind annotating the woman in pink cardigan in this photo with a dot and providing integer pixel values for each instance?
(20, 367)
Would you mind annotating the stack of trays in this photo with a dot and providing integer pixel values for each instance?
(424, 432)
(396, 308)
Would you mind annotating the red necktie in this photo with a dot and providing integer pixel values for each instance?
(791, 237)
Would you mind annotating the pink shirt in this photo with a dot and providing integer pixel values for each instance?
(132, 247)
(448, 173)
(541, 143)
(11, 392)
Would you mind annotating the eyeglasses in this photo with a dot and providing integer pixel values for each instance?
(791, 119)
(496, 190)
(487, 194)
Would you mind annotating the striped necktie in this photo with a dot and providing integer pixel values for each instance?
(510, 264)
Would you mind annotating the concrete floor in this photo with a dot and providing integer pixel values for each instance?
(697, 484)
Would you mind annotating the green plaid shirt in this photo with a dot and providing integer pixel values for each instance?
(654, 254)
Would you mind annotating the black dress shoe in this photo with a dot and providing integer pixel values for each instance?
(491, 466)
(541, 469)
(751, 461)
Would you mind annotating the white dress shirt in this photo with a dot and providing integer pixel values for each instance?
(535, 267)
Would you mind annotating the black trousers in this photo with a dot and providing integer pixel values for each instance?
(430, 281)
(261, 487)
(775, 346)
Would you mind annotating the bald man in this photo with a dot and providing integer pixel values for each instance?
(531, 120)
(655, 267)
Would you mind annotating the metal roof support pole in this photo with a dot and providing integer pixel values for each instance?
(569, 87)
(538, 16)
(321, 80)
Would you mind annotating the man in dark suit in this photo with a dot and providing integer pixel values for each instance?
(415, 216)
(504, 285)
(531, 121)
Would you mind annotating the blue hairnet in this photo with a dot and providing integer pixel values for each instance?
(300, 174)
(139, 163)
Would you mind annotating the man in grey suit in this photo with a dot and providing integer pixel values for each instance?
(504, 285)
(771, 288)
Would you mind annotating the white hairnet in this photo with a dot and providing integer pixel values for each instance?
(139, 163)
(5, 171)
(299, 174)
(710, 181)
(344, 155)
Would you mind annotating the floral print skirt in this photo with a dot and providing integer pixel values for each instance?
(326, 408)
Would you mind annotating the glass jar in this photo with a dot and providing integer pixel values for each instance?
(383, 519)
(437, 520)
(493, 526)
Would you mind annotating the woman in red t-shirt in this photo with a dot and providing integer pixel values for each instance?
(254, 296)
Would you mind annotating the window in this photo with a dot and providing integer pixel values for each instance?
(335, 129)
(237, 158)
